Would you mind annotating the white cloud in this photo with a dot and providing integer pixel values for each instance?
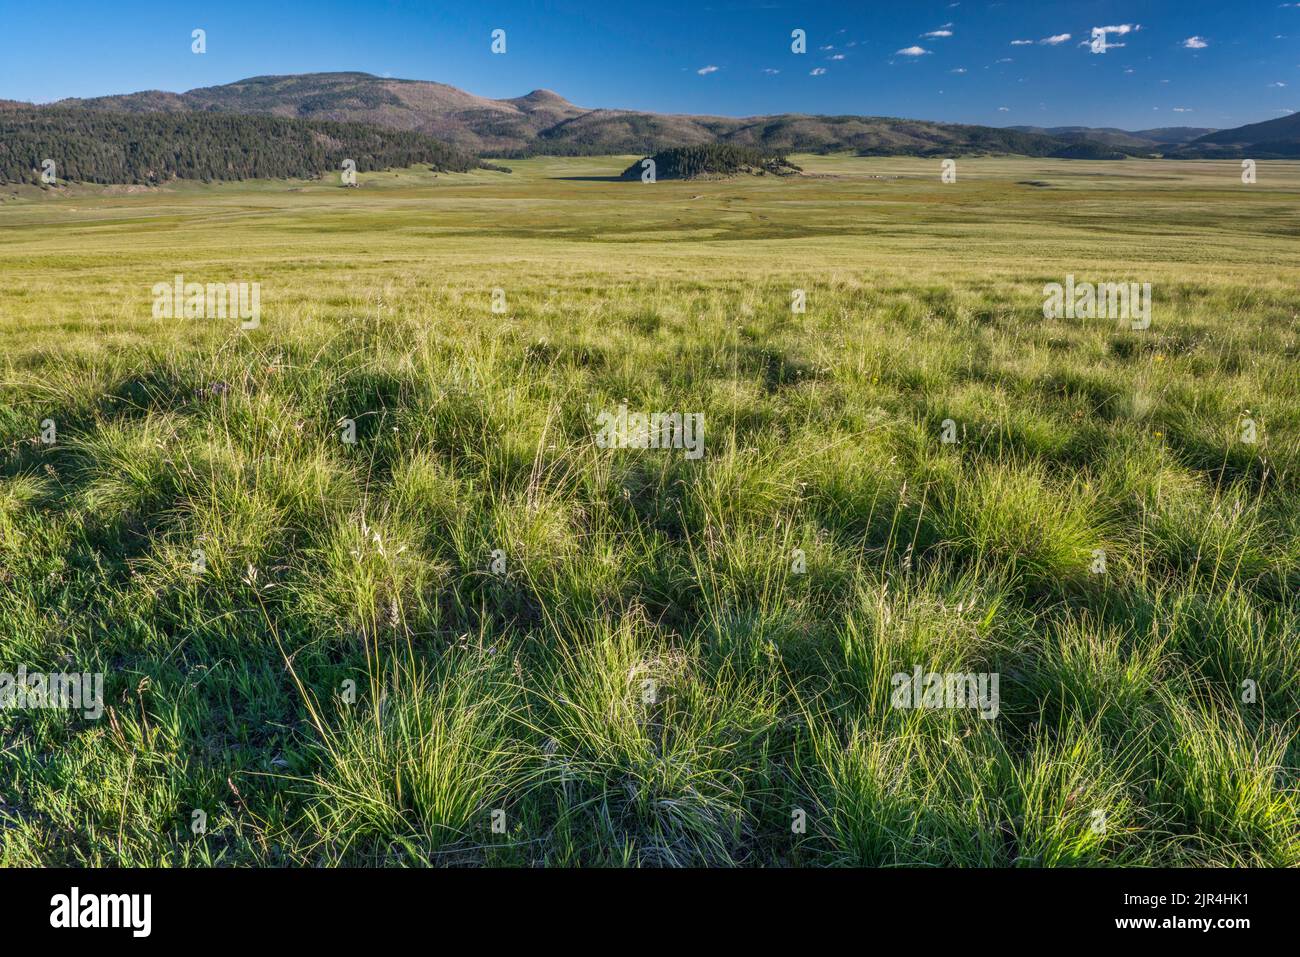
(837, 56)
(817, 71)
(1022, 43)
(936, 33)
(1279, 83)
(1098, 43)
(912, 51)
(1055, 40)
(1182, 109)
(706, 70)
(1195, 43)
(960, 69)
(770, 72)
(1005, 59)
(1004, 109)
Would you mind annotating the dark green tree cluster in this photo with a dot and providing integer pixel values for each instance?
(958, 140)
(712, 159)
(1088, 150)
(93, 146)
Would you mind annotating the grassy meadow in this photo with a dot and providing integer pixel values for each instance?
(476, 637)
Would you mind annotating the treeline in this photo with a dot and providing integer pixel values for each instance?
(1082, 149)
(712, 159)
(92, 146)
(960, 140)
(1204, 149)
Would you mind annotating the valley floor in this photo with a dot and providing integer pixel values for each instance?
(367, 585)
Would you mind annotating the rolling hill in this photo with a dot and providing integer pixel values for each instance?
(1133, 141)
(1272, 139)
(544, 122)
(462, 119)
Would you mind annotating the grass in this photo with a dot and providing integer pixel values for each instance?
(476, 637)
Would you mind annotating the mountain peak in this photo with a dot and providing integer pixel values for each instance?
(543, 99)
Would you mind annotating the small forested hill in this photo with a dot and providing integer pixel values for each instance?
(712, 159)
(94, 146)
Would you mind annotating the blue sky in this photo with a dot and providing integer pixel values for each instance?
(1186, 63)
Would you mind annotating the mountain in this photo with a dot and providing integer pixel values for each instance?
(544, 122)
(1272, 139)
(1173, 135)
(470, 122)
(1136, 141)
